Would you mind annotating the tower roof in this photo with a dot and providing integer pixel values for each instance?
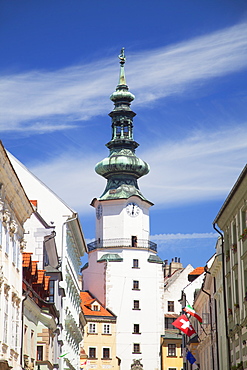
(122, 168)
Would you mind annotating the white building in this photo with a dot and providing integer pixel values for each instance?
(15, 208)
(70, 248)
(124, 271)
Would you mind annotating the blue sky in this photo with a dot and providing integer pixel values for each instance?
(186, 65)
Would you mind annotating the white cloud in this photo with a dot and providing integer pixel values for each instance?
(62, 97)
(179, 236)
(203, 167)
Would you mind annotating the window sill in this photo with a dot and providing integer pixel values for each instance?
(136, 289)
(136, 333)
(172, 356)
(107, 334)
(136, 309)
(136, 353)
(92, 333)
(93, 358)
(106, 359)
(133, 267)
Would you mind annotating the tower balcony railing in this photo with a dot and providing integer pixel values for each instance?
(122, 243)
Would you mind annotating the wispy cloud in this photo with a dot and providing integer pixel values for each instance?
(62, 97)
(183, 245)
(179, 236)
(203, 167)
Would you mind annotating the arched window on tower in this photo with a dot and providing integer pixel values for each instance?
(126, 131)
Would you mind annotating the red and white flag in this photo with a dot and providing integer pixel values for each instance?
(183, 324)
(192, 312)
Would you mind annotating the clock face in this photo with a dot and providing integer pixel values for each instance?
(132, 209)
(99, 211)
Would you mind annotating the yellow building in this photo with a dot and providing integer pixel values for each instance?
(100, 335)
(172, 357)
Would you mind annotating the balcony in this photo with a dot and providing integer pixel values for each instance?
(122, 243)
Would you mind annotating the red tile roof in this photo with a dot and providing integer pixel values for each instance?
(40, 279)
(47, 280)
(87, 300)
(34, 203)
(26, 259)
(197, 271)
(34, 267)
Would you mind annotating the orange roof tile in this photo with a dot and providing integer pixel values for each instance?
(197, 271)
(87, 300)
(34, 202)
(47, 280)
(26, 259)
(34, 267)
(40, 277)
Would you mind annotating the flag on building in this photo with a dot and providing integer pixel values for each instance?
(190, 357)
(192, 312)
(183, 324)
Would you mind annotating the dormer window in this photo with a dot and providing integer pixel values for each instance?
(95, 307)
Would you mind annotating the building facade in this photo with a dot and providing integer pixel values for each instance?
(70, 245)
(175, 280)
(15, 209)
(100, 335)
(231, 223)
(129, 272)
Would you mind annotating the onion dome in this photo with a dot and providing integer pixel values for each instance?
(122, 167)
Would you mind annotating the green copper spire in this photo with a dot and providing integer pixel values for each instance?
(122, 168)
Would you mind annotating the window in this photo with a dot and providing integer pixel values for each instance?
(39, 353)
(135, 264)
(32, 344)
(136, 305)
(168, 323)
(1, 232)
(92, 328)
(95, 307)
(136, 329)
(172, 350)
(170, 306)
(14, 251)
(5, 330)
(134, 243)
(135, 284)
(92, 352)
(107, 329)
(51, 290)
(7, 241)
(106, 353)
(136, 348)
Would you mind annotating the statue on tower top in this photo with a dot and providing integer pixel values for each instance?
(122, 57)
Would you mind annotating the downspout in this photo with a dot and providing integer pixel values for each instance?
(217, 337)
(224, 294)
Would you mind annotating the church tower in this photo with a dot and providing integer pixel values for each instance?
(124, 271)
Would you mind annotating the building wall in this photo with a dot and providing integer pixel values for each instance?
(99, 340)
(168, 361)
(118, 281)
(70, 247)
(233, 221)
(15, 208)
(114, 214)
